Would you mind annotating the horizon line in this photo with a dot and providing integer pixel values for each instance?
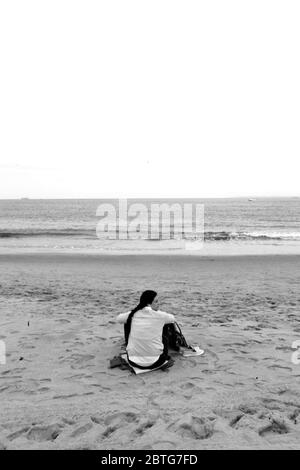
(251, 197)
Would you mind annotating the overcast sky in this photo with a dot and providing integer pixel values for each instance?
(149, 98)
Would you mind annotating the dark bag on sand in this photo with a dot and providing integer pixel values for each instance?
(118, 361)
(173, 336)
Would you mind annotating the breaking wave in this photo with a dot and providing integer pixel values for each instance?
(208, 235)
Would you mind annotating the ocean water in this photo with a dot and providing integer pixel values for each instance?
(231, 226)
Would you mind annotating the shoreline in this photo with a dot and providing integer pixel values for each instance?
(106, 255)
(217, 249)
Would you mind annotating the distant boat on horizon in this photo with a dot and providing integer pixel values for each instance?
(24, 198)
(251, 200)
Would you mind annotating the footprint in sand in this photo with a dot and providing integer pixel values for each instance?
(38, 433)
(117, 420)
(193, 427)
(187, 386)
(18, 433)
(294, 415)
(163, 445)
(208, 371)
(76, 359)
(69, 421)
(97, 418)
(277, 366)
(81, 430)
(284, 348)
(122, 418)
(232, 416)
(44, 433)
(276, 427)
(144, 425)
(272, 404)
(189, 389)
(80, 377)
(15, 371)
(72, 395)
(151, 401)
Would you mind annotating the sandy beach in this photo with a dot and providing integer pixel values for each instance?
(57, 318)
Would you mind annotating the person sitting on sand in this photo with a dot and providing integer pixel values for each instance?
(143, 329)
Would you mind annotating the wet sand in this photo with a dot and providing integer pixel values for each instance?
(57, 390)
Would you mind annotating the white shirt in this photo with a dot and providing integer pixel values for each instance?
(145, 340)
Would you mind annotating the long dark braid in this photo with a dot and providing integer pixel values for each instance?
(146, 298)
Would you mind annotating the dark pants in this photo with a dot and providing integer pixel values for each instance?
(162, 358)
